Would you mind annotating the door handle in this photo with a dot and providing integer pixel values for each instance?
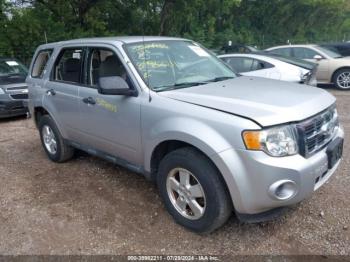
(51, 92)
(89, 100)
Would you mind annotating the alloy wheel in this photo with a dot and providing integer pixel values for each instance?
(186, 193)
(343, 80)
(49, 139)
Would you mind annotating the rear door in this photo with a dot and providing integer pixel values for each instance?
(62, 90)
(37, 77)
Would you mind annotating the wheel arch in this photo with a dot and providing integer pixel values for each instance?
(336, 71)
(165, 147)
(40, 111)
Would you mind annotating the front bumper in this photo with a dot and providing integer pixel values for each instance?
(10, 108)
(250, 174)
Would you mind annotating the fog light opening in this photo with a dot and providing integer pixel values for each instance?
(283, 189)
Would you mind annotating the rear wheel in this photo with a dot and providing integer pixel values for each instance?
(342, 79)
(54, 145)
(193, 190)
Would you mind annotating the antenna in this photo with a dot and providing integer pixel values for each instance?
(145, 60)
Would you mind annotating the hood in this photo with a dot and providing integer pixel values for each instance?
(12, 79)
(265, 101)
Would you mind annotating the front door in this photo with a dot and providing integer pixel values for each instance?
(309, 54)
(109, 123)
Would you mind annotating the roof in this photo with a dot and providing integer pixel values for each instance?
(123, 39)
(247, 55)
(286, 46)
(263, 57)
(275, 58)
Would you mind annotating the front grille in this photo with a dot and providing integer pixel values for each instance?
(317, 132)
(19, 96)
(16, 88)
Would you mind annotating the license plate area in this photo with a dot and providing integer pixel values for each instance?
(335, 151)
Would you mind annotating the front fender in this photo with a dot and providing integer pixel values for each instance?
(204, 138)
(191, 131)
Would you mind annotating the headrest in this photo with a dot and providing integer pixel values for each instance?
(110, 67)
(72, 65)
(95, 63)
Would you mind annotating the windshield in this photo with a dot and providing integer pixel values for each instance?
(10, 67)
(332, 53)
(174, 64)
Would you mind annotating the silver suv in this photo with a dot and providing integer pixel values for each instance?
(214, 142)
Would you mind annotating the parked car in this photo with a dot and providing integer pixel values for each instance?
(333, 68)
(13, 89)
(167, 108)
(274, 67)
(237, 48)
(341, 48)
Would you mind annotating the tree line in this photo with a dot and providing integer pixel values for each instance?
(25, 24)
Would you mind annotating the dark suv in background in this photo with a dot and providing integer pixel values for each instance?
(13, 89)
(341, 48)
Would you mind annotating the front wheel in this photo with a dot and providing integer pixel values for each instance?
(193, 190)
(342, 79)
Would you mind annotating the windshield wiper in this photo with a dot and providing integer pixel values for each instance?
(179, 86)
(220, 78)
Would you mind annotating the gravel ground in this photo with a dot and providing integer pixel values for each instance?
(89, 206)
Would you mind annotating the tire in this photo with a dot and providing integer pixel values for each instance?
(63, 152)
(341, 79)
(216, 204)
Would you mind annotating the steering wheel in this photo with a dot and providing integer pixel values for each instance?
(191, 69)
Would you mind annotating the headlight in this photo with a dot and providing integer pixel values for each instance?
(1, 91)
(276, 141)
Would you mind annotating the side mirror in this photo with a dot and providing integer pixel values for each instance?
(114, 85)
(318, 57)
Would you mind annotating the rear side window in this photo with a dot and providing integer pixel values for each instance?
(68, 66)
(282, 51)
(40, 63)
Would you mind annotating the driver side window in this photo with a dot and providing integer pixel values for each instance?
(103, 63)
(304, 53)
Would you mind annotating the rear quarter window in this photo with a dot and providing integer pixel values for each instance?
(240, 64)
(282, 51)
(259, 65)
(40, 63)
